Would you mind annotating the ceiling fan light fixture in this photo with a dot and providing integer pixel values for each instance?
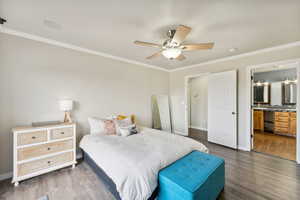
(171, 53)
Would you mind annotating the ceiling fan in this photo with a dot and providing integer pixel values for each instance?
(173, 47)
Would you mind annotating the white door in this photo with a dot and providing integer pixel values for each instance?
(222, 108)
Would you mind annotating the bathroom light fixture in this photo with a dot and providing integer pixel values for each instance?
(266, 83)
(258, 83)
(287, 81)
(171, 53)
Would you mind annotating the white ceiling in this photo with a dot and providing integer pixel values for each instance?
(111, 26)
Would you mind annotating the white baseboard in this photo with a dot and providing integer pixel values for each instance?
(179, 133)
(243, 148)
(5, 176)
(199, 128)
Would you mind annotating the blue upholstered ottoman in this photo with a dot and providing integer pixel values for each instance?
(197, 176)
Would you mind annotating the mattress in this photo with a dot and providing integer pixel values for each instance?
(133, 162)
(109, 184)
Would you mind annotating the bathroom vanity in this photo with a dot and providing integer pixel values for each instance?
(277, 121)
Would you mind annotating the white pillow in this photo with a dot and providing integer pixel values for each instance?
(122, 123)
(96, 126)
(129, 130)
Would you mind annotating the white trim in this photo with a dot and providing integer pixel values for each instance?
(284, 46)
(248, 102)
(298, 116)
(89, 51)
(74, 47)
(180, 133)
(6, 176)
(186, 98)
(243, 148)
(199, 128)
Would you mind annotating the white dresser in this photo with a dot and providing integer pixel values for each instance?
(38, 150)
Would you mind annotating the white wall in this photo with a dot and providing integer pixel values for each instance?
(34, 76)
(198, 96)
(177, 90)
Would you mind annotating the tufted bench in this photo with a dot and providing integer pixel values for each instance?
(196, 176)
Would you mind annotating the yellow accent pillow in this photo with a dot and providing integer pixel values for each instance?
(120, 117)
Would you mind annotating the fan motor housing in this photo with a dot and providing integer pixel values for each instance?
(169, 43)
(171, 33)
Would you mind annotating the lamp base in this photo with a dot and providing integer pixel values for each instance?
(68, 118)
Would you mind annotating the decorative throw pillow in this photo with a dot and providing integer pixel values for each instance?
(96, 125)
(101, 126)
(129, 130)
(122, 123)
(121, 117)
(109, 127)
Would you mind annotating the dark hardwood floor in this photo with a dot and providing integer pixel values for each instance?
(249, 176)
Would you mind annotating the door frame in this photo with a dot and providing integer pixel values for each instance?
(186, 98)
(249, 99)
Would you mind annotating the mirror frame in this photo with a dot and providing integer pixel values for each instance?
(269, 96)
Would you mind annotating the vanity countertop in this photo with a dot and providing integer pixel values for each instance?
(275, 108)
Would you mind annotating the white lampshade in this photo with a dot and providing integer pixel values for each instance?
(66, 105)
(172, 53)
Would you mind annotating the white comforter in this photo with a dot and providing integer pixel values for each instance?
(133, 162)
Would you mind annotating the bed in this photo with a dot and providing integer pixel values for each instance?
(129, 166)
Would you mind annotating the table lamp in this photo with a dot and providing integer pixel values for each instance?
(66, 105)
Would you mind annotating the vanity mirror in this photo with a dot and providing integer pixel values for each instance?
(289, 93)
(261, 93)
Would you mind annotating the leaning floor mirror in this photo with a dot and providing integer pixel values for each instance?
(161, 113)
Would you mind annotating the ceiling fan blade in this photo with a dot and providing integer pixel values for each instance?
(154, 55)
(181, 57)
(147, 44)
(181, 33)
(203, 46)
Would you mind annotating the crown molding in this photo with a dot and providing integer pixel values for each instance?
(74, 47)
(284, 46)
(98, 53)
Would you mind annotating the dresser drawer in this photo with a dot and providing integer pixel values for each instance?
(281, 130)
(44, 149)
(293, 115)
(281, 119)
(35, 166)
(281, 114)
(31, 137)
(61, 133)
(281, 124)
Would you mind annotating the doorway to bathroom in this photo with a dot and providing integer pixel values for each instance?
(274, 110)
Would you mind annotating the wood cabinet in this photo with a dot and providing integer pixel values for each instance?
(285, 123)
(38, 150)
(258, 120)
(293, 124)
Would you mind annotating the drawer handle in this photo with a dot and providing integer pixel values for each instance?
(49, 162)
(48, 148)
(33, 137)
(62, 133)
